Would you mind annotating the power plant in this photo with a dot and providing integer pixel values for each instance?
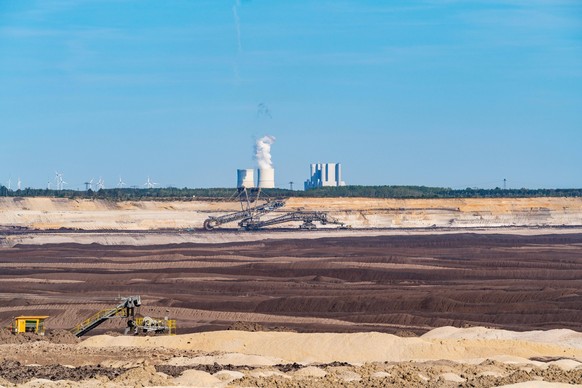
(265, 172)
(257, 213)
(245, 178)
(324, 175)
(266, 178)
(321, 174)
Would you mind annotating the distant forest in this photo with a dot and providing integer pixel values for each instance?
(324, 192)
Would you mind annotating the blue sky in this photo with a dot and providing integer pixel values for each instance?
(437, 93)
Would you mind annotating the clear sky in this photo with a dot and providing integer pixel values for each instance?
(436, 92)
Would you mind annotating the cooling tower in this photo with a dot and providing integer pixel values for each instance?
(245, 178)
(266, 178)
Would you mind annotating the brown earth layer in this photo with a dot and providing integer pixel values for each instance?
(385, 283)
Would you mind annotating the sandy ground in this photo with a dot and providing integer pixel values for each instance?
(147, 238)
(447, 343)
(444, 357)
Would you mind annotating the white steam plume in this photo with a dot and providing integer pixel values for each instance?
(263, 151)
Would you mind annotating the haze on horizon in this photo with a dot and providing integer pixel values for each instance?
(437, 93)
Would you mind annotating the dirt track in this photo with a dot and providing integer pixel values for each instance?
(383, 283)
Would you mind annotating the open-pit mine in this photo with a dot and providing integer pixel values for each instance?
(418, 292)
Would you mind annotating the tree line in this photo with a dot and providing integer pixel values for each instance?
(173, 193)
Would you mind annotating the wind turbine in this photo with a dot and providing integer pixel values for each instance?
(18, 184)
(121, 183)
(149, 184)
(10, 182)
(89, 185)
(100, 184)
(59, 180)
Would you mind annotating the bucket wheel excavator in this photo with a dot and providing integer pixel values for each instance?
(250, 208)
(249, 218)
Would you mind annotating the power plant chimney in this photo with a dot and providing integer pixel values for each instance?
(266, 178)
(245, 178)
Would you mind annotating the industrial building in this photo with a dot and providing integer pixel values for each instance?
(245, 178)
(324, 175)
(29, 324)
(265, 178)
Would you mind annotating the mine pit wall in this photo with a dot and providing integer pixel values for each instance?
(86, 214)
(421, 218)
(450, 213)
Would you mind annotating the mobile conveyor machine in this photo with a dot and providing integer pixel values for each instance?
(249, 218)
(127, 309)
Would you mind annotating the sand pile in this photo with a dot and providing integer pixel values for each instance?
(444, 357)
(290, 347)
(563, 337)
(144, 376)
(443, 343)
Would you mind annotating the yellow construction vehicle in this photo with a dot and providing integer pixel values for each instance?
(29, 324)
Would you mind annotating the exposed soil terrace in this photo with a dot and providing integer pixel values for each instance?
(276, 282)
(95, 214)
(346, 284)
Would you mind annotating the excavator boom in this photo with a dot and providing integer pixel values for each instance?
(124, 309)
